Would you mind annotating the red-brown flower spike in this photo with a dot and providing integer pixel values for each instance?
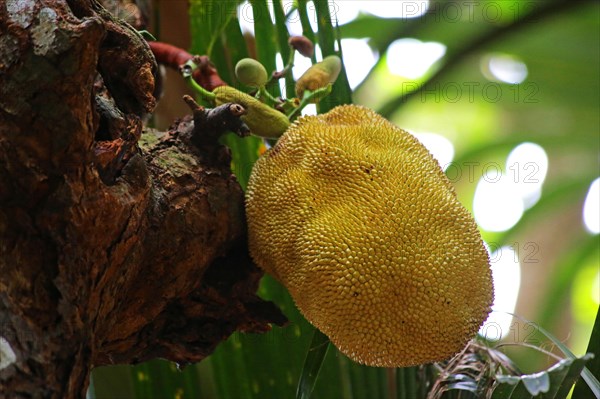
(303, 45)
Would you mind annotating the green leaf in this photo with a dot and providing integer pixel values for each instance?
(406, 382)
(208, 21)
(244, 152)
(282, 39)
(506, 386)
(234, 45)
(554, 382)
(575, 372)
(341, 93)
(201, 25)
(583, 390)
(312, 365)
(483, 38)
(587, 375)
(306, 28)
(265, 34)
(536, 383)
(325, 31)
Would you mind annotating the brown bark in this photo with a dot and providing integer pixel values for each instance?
(111, 251)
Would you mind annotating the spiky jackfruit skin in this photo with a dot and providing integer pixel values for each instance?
(359, 222)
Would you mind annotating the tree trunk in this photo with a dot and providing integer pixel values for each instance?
(111, 251)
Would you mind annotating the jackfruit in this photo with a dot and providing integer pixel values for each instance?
(319, 75)
(262, 120)
(251, 72)
(357, 219)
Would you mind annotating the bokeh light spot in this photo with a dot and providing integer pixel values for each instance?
(591, 208)
(527, 166)
(504, 68)
(497, 205)
(506, 273)
(411, 58)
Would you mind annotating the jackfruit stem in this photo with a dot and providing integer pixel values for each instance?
(187, 70)
(310, 97)
(275, 76)
(266, 97)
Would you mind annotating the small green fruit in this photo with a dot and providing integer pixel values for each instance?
(251, 72)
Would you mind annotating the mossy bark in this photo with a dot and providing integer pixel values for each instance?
(110, 252)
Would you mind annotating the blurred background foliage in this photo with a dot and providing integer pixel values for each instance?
(506, 94)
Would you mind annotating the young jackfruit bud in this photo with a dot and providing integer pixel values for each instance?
(319, 75)
(251, 72)
(303, 45)
(262, 120)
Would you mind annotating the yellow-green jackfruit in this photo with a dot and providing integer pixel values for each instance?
(319, 75)
(262, 120)
(356, 218)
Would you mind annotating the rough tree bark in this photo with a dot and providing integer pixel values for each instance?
(110, 251)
